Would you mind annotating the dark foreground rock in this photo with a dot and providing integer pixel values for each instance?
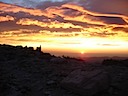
(28, 72)
(86, 83)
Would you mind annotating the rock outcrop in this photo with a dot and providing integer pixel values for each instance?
(28, 72)
(86, 83)
(58, 60)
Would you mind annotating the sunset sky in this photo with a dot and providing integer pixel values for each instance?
(89, 27)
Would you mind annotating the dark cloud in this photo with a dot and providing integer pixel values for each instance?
(109, 6)
(46, 4)
(30, 40)
(10, 26)
(113, 20)
(120, 29)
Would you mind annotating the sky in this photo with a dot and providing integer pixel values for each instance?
(89, 27)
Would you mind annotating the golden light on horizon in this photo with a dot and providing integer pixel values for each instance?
(68, 28)
(71, 44)
(82, 52)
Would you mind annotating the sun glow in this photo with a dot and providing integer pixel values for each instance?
(68, 28)
(79, 44)
(82, 52)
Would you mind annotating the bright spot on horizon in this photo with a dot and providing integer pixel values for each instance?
(66, 27)
(82, 52)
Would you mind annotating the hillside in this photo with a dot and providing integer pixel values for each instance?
(28, 72)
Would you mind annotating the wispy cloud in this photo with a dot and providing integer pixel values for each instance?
(6, 18)
(68, 24)
(91, 19)
(51, 24)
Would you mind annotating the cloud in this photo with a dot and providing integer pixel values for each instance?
(120, 29)
(19, 32)
(15, 9)
(35, 3)
(108, 6)
(54, 24)
(46, 4)
(71, 12)
(69, 18)
(108, 45)
(24, 3)
(65, 25)
(126, 20)
(6, 18)
(95, 14)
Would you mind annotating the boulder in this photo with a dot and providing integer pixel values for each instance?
(86, 83)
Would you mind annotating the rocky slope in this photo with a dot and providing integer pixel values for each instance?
(28, 72)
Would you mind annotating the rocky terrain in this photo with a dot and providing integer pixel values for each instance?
(28, 72)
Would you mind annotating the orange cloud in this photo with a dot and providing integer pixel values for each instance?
(70, 12)
(66, 27)
(126, 20)
(6, 18)
(68, 18)
(54, 24)
(15, 9)
(81, 9)
(92, 17)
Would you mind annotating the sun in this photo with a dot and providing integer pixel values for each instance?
(82, 52)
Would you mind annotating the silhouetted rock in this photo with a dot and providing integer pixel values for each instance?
(58, 60)
(86, 83)
(38, 49)
(115, 62)
(28, 72)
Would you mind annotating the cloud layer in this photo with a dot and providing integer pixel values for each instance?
(62, 21)
(6, 18)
